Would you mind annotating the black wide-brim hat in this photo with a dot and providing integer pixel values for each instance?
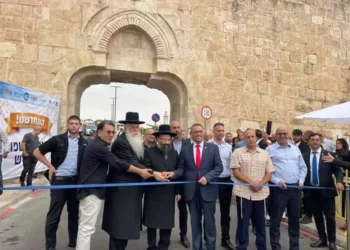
(131, 118)
(164, 129)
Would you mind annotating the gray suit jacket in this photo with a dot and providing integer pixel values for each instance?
(211, 167)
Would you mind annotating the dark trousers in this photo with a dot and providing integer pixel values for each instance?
(164, 239)
(307, 203)
(324, 207)
(225, 195)
(199, 207)
(116, 244)
(183, 215)
(59, 198)
(29, 163)
(280, 200)
(246, 210)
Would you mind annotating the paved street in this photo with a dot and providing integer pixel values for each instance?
(24, 230)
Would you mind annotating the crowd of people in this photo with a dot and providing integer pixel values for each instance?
(215, 166)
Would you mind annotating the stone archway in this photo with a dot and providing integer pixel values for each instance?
(169, 84)
(129, 47)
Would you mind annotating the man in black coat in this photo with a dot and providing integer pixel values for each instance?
(320, 174)
(299, 142)
(177, 144)
(66, 156)
(159, 201)
(123, 205)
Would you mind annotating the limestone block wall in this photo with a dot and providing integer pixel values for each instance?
(250, 60)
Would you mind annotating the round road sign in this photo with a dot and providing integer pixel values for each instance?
(206, 112)
(155, 117)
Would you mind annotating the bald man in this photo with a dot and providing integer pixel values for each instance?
(290, 169)
(29, 143)
(149, 139)
(178, 144)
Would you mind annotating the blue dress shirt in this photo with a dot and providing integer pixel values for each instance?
(288, 162)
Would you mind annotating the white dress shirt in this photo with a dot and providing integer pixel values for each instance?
(318, 156)
(195, 150)
(225, 150)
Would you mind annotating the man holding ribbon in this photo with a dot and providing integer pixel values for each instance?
(201, 164)
(66, 155)
(94, 168)
(252, 168)
(320, 174)
(159, 202)
(123, 206)
(290, 169)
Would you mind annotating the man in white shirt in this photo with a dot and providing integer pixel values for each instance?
(225, 191)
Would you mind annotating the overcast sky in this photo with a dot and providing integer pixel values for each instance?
(96, 102)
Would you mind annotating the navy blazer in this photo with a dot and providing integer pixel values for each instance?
(325, 175)
(211, 167)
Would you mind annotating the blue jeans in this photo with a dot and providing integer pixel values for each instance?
(1, 181)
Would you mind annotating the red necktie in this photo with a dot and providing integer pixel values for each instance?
(198, 156)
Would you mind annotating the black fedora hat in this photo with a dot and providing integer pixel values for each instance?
(131, 118)
(164, 129)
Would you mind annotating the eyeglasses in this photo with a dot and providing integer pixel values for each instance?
(282, 134)
(197, 132)
(110, 132)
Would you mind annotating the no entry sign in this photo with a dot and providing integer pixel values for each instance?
(206, 112)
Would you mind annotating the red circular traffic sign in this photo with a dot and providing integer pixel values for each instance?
(206, 112)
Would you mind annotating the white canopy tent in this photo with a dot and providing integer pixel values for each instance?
(339, 114)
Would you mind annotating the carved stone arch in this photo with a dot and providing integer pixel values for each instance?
(131, 18)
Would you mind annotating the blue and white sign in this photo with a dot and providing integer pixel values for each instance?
(20, 111)
(155, 117)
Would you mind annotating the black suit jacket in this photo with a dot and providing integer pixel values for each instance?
(325, 175)
(263, 144)
(58, 147)
(303, 147)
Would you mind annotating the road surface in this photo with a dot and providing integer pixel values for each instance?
(23, 229)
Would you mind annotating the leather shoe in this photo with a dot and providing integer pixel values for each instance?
(319, 243)
(332, 246)
(72, 244)
(185, 242)
(227, 244)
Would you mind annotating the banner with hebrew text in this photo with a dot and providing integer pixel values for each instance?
(21, 110)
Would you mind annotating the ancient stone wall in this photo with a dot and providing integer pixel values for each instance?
(251, 60)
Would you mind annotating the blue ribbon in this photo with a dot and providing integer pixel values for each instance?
(134, 184)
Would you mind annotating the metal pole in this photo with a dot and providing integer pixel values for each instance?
(115, 102)
(347, 207)
(205, 126)
(112, 109)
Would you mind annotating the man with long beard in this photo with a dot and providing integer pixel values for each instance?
(123, 206)
(159, 204)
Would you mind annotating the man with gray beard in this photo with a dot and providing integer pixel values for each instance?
(123, 205)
